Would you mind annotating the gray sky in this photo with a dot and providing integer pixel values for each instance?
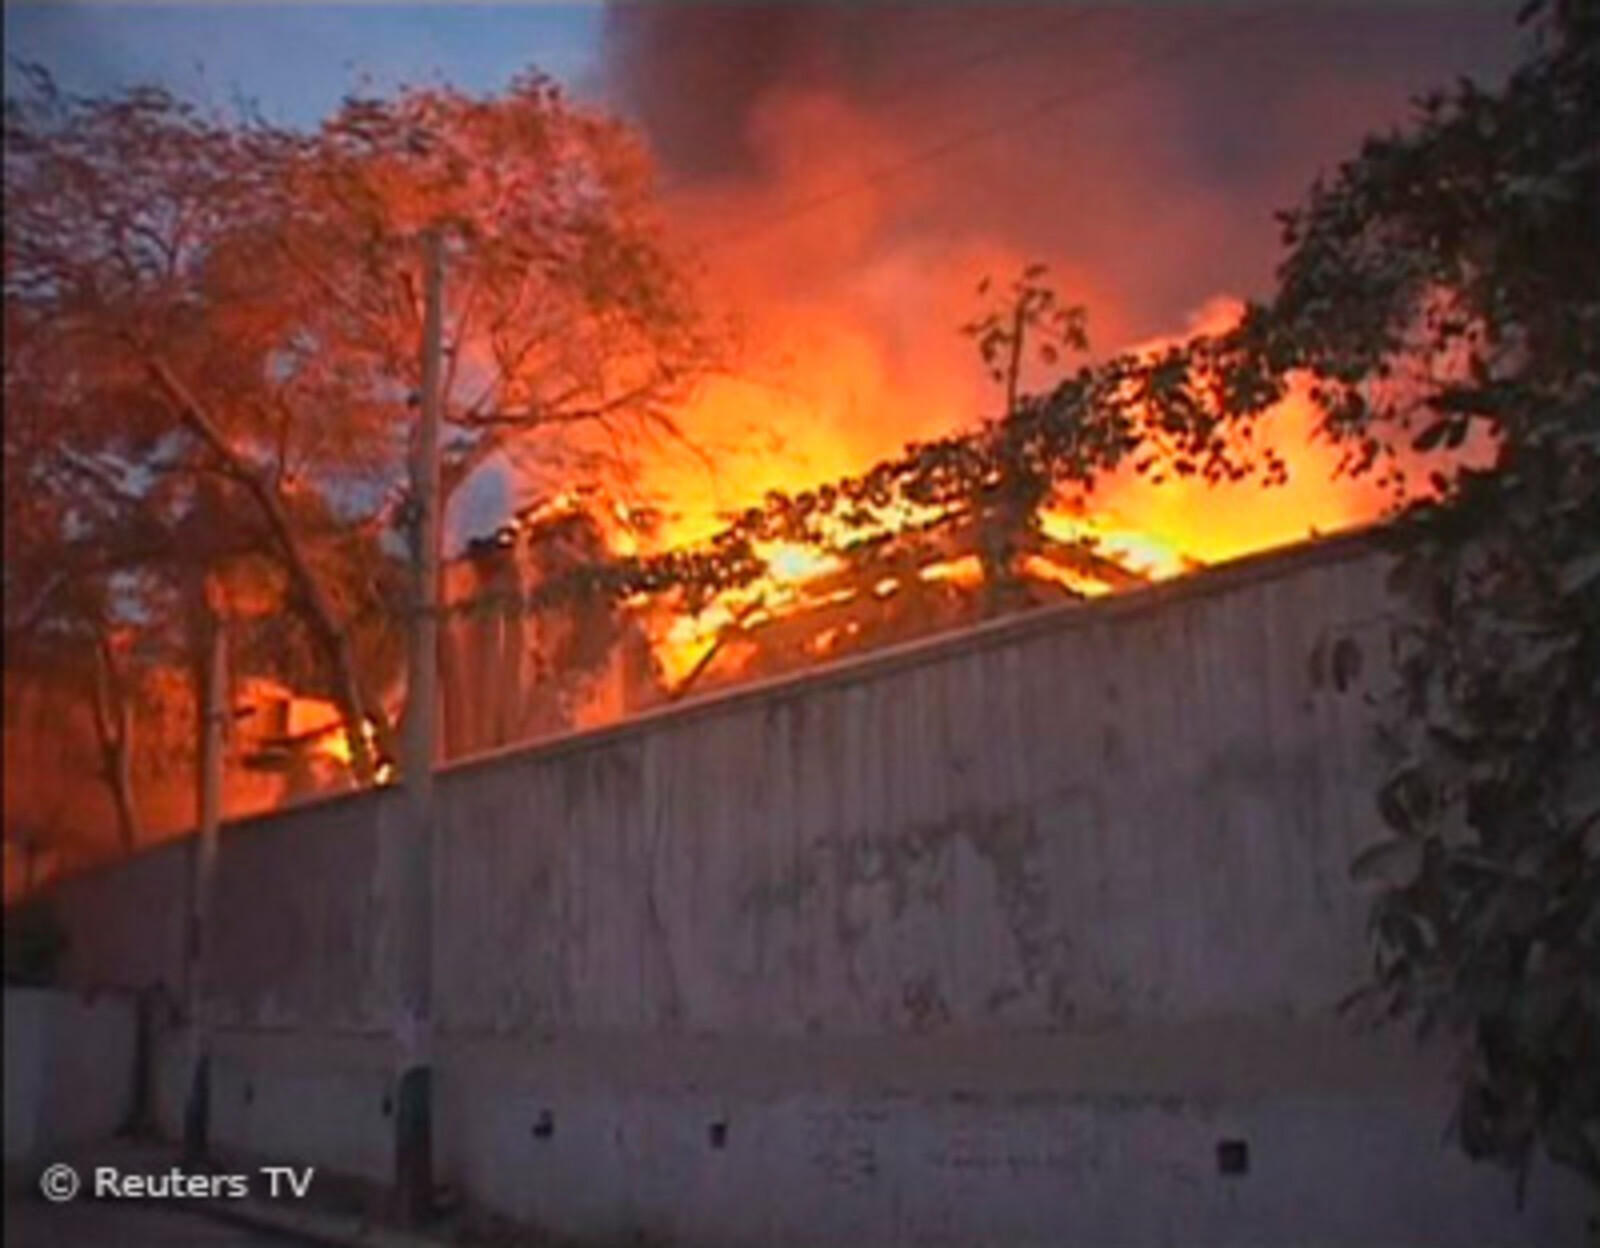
(297, 60)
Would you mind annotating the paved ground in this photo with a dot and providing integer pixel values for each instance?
(31, 1222)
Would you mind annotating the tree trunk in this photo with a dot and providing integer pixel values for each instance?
(113, 721)
(331, 635)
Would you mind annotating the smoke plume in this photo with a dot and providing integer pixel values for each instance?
(850, 172)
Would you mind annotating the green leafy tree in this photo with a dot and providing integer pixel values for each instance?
(1008, 499)
(1444, 288)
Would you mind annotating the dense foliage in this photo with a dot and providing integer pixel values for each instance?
(1470, 245)
(213, 344)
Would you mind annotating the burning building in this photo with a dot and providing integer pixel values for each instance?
(521, 663)
(847, 178)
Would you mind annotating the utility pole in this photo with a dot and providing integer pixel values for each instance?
(213, 706)
(414, 1102)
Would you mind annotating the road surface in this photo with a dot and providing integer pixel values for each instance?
(31, 1222)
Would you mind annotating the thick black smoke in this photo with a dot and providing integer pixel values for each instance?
(850, 172)
(1152, 143)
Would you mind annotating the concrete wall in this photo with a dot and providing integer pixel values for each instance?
(1141, 810)
(70, 1063)
(998, 938)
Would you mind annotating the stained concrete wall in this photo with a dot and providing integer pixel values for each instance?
(70, 1066)
(1142, 810)
(998, 938)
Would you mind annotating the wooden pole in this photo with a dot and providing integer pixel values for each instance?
(414, 1102)
(213, 705)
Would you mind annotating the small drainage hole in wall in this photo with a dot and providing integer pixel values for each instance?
(719, 1134)
(1233, 1157)
(544, 1126)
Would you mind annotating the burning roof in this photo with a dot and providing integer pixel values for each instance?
(806, 603)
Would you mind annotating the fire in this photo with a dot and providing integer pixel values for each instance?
(281, 724)
(333, 744)
(966, 571)
(1211, 523)
(850, 305)
(792, 565)
(688, 640)
(1132, 530)
(1137, 550)
(850, 312)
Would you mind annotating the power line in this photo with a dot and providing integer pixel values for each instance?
(1183, 46)
(910, 85)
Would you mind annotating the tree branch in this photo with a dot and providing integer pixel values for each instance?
(324, 620)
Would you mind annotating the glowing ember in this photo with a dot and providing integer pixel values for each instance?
(1043, 569)
(1136, 551)
(334, 744)
(791, 564)
(283, 722)
(966, 571)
